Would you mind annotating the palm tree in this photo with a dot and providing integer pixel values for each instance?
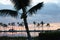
(22, 4)
(34, 24)
(13, 24)
(20, 24)
(5, 26)
(38, 25)
(1, 23)
(42, 23)
(8, 23)
(48, 25)
(17, 22)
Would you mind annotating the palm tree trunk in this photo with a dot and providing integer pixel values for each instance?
(34, 27)
(24, 17)
(42, 29)
(27, 29)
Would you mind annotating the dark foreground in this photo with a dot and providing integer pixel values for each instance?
(50, 36)
(12, 38)
(16, 38)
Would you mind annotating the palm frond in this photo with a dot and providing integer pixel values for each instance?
(5, 12)
(35, 8)
(18, 4)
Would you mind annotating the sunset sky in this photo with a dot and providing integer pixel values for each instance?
(50, 12)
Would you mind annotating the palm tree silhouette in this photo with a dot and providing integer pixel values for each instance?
(13, 24)
(38, 24)
(1, 24)
(20, 24)
(22, 4)
(5, 26)
(34, 24)
(48, 25)
(9, 24)
(17, 22)
(42, 23)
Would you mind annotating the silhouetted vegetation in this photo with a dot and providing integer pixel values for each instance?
(22, 4)
(12, 38)
(34, 24)
(17, 38)
(48, 25)
(38, 24)
(3, 25)
(50, 36)
(42, 24)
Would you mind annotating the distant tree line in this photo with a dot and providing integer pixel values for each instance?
(41, 24)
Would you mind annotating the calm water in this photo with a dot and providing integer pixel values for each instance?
(16, 34)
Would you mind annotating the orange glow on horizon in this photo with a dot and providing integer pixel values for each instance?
(53, 26)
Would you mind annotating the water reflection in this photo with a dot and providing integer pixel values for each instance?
(15, 34)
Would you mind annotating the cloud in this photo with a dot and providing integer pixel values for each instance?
(50, 12)
(2, 6)
(50, 9)
(6, 2)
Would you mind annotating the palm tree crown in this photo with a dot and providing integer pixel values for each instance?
(18, 4)
(48, 24)
(42, 23)
(8, 12)
(22, 4)
(34, 22)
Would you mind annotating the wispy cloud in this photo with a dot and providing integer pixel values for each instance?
(50, 12)
(6, 2)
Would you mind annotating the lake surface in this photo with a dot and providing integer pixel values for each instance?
(17, 34)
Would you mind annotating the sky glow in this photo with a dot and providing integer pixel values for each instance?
(48, 12)
(7, 2)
